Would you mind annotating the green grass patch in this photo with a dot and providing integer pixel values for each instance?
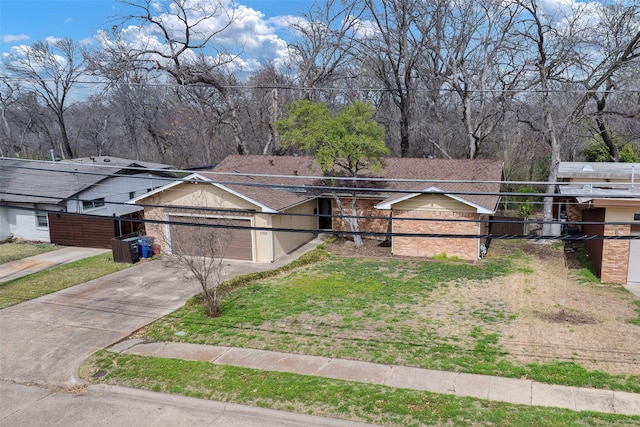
(56, 278)
(587, 271)
(636, 321)
(326, 397)
(375, 311)
(15, 251)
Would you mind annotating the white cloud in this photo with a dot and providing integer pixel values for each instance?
(52, 39)
(13, 38)
(236, 29)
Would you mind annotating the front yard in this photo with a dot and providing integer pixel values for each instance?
(503, 317)
(518, 313)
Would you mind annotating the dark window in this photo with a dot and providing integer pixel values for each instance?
(636, 217)
(41, 219)
(92, 204)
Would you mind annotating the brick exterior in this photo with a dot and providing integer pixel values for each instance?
(156, 230)
(364, 207)
(462, 248)
(615, 255)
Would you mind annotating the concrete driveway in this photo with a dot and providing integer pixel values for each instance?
(44, 340)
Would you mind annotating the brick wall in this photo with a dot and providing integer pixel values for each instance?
(615, 254)
(156, 230)
(364, 207)
(407, 221)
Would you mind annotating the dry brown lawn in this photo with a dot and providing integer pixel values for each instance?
(554, 315)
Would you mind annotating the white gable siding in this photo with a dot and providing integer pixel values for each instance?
(115, 189)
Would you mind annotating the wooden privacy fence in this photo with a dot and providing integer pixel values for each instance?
(91, 232)
(509, 225)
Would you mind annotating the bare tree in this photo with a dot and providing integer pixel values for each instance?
(617, 39)
(324, 45)
(391, 50)
(554, 54)
(7, 99)
(471, 42)
(185, 47)
(200, 247)
(50, 69)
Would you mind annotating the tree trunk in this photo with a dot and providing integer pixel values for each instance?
(67, 152)
(351, 220)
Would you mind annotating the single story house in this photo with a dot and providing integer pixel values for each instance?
(74, 202)
(266, 199)
(606, 196)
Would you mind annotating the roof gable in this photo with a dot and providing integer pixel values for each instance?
(390, 202)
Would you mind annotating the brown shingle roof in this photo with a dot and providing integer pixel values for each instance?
(278, 188)
(283, 187)
(472, 177)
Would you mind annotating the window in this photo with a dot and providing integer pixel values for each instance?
(636, 217)
(41, 219)
(92, 204)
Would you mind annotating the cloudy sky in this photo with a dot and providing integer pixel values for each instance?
(261, 27)
(23, 22)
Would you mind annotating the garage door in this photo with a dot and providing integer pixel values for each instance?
(198, 240)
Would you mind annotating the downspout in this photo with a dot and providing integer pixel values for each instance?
(633, 175)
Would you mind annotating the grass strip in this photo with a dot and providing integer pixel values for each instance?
(327, 397)
(57, 278)
(15, 251)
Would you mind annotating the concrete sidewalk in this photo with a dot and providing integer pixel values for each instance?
(517, 391)
(22, 267)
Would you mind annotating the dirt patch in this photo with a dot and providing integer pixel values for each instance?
(541, 313)
(370, 248)
(563, 316)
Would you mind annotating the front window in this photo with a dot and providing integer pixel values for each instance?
(41, 219)
(92, 204)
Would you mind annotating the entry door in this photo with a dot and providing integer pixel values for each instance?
(634, 259)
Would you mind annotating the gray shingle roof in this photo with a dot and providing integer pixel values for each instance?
(33, 181)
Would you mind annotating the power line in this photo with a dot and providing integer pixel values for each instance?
(331, 88)
(365, 233)
(231, 174)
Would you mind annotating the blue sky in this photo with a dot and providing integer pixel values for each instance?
(28, 21)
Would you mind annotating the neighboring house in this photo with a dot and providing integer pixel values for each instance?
(40, 200)
(606, 193)
(285, 193)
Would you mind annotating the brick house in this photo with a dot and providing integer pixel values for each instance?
(453, 197)
(606, 197)
(408, 196)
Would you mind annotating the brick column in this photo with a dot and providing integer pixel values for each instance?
(615, 255)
